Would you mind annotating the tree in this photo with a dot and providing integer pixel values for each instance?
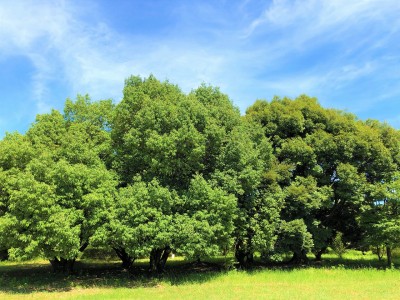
(157, 133)
(337, 245)
(139, 222)
(294, 237)
(244, 159)
(382, 219)
(205, 220)
(161, 134)
(151, 220)
(62, 195)
(15, 153)
(341, 154)
(302, 202)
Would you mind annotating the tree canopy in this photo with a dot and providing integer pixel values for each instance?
(165, 171)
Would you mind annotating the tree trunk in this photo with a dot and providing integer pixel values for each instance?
(127, 260)
(66, 265)
(318, 255)
(62, 265)
(244, 258)
(250, 258)
(83, 247)
(164, 258)
(389, 256)
(155, 257)
(299, 257)
(3, 254)
(379, 253)
(158, 259)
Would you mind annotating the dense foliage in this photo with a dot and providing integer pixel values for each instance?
(166, 171)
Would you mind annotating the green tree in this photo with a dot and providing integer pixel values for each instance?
(161, 134)
(302, 202)
(57, 201)
(244, 159)
(382, 219)
(342, 154)
(337, 244)
(140, 221)
(157, 133)
(294, 237)
(206, 220)
(15, 153)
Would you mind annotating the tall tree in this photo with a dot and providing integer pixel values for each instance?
(244, 159)
(15, 153)
(161, 134)
(62, 195)
(339, 153)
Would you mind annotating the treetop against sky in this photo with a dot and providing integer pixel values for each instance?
(345, 53)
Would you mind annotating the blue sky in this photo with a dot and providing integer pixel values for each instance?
(345, 53)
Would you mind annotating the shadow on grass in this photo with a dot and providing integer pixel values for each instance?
(38, 277)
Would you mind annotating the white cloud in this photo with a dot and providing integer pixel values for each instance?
(341, 43)
(296, 27)
(316, 17)
(92, 57)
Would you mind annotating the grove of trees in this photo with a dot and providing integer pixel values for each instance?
(165, 171)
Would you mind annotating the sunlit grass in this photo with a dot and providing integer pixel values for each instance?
(272, 284)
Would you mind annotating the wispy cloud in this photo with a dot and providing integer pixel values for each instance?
(348, 27)
(314, 18)
(91, 56)
(326, 46)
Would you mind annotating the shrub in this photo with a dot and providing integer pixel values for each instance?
(337, 244)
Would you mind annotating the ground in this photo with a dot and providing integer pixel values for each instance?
(356, 276)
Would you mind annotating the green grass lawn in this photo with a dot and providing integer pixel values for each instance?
(356, 276)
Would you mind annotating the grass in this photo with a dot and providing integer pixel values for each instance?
(356, 276)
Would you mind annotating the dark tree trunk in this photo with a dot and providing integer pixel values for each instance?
(66, 265)
(299, 257)
(3, 254)
(389, 256)
(243, 257)
(83, 247)
(379, 253)
(62, 265)
(318, 255)
(250, 258)
(127, 260)
(155, 257)
(240, 256)
(164, 258)
(158, 259)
